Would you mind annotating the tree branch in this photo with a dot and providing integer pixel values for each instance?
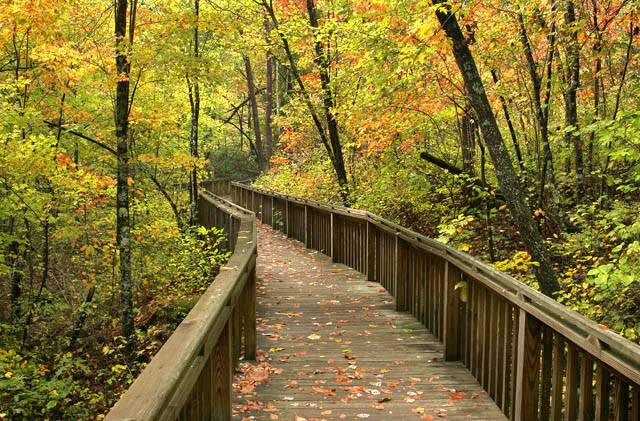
(82, 136)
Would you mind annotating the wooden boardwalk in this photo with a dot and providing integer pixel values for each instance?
(337, 349)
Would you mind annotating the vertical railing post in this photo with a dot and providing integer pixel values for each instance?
(250, 335)
(221, 375)
(371, 251)
(307, 237)
(331, 237)
(451, 337)
(401, 274)
(273, 213)
(527, 367)
(286, 218)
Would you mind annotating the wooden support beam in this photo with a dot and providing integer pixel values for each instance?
(221, 375)
(451, 334)
(371, 252)
(307, 226)
(250, 334)
(528, 367)
(401, 274)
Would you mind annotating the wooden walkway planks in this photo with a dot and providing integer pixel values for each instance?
(342, 352)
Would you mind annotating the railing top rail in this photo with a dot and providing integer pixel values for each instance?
(602, 343)
(172, 368)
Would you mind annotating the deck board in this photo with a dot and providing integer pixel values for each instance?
(341, 351)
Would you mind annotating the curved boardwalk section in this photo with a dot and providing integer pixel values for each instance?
(339, 350)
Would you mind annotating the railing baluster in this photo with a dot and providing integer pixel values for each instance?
(451, 319)
(400, 274)
(528, 366)
(221, 377)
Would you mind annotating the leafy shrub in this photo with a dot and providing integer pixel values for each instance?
(29, 390)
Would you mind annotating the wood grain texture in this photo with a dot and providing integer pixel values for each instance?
(528, 368)
(391, 355)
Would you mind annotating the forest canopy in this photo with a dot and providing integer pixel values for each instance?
(509, 130)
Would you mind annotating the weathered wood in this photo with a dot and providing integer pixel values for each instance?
(635, 403)
(221, 376)
(585, 410)
(422, 289)
(400, 261)
(178, 382)
(547, 370)
(528, 367)
(311, 310)
(250, 338)
(621, 400)
(571, 393)
(452, 331)
(371, 252)
(603, 380)
(557, 378)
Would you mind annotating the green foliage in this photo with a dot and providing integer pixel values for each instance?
(230, 163)
(604, 281)
(29, 389)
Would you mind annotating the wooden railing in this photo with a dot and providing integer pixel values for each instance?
(218, 187)
(190, 377)
(534, 357)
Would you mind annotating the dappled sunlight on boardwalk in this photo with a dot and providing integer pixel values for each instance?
(333, 347)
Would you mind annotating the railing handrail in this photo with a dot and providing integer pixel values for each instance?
(602, 343)
(175, 369)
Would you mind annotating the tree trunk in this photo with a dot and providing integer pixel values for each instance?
(505, 171)
(570, 98)
(268, 96)
(467, 142)
(333, 147)
(541, 113)
(123, 221)
(507, 116)
(323, 63)
(194, 102)
(255, 118)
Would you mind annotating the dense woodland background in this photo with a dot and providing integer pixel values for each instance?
(112, 112)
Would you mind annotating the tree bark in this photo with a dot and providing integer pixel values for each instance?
(540, 112)
(322, 62)
(505, 171)
(255, 117)
(194, 102)
(507, 116)
(570, 98)
(123, 220)
(336, 162)
(268, 96)
(467, 142)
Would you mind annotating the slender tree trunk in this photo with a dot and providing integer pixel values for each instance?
(540, 112)
(487, 206)
(13, 261)
(194, 102)
(255, 117)
(597, 50)
(335, 156)
(268, 96)
(512, 131)
(467, 142)
(323, 64)
(616, 107)
(505, 171)
(82, 317)
(123, 220)
(570, 98)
